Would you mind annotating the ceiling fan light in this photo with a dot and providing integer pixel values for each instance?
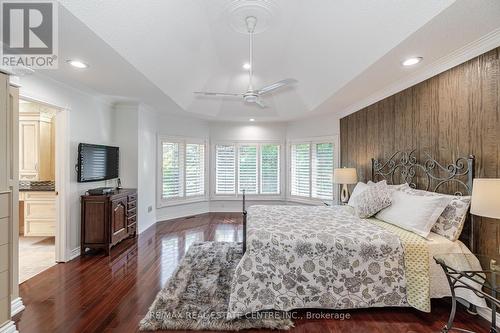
(250, 98)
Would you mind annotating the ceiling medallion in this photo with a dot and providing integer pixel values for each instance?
(238, 10)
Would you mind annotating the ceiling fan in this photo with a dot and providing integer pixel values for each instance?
(252, 95)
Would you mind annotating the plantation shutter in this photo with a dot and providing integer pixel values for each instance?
(247, 169)
(225, 169)
(171, 170)
(300, 169)
(322, 185)
(195, 169)
(270, 169)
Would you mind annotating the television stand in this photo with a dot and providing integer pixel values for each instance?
(108, 219)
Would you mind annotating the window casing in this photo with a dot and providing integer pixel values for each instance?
(311, 164)
(182, 170)
(250, 166)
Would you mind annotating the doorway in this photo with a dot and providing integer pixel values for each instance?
(37, 188)
(42, 152)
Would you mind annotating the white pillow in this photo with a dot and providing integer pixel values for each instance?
(451, 221)
(360, 187)
(414, 213)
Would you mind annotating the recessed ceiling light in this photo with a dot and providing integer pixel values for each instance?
(251, 119)
(412, 61)
(77, 63)
(246, 66)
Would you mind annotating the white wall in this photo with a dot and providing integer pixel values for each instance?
(90, 120)
(125, 135)
(220, 131)
(146, 205)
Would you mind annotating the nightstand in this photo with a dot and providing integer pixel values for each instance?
(482, 282)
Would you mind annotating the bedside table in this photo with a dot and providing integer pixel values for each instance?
(482, 282)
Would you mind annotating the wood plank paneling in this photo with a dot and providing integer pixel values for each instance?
(453, 114)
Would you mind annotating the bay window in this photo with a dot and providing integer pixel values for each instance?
(253, 167)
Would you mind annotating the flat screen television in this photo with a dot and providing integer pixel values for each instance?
(97, 162)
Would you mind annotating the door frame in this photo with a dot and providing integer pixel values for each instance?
(62, 175)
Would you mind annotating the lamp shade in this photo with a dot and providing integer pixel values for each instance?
(345, 176)
(486, 198)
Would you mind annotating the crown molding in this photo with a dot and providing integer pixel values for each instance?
(464, 54)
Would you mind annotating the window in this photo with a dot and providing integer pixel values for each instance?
(311, 169)
(252, 167)
(270, 169)
(182, 170)
(195, 169)
(225, 156)
(322, 186)
(247, 166)
(171, 181)
(301, 169)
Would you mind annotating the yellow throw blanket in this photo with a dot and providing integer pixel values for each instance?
(416, 258)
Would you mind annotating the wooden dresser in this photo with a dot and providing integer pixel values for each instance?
(108, 219)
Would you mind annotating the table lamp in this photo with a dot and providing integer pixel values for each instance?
(485, 199)
(345, 176)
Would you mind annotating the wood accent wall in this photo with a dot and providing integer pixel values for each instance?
(453, 114)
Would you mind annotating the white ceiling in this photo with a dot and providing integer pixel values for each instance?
(159, 51)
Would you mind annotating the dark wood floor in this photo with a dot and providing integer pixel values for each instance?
(112, 294)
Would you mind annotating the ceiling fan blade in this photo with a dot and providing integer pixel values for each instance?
(209, 93)
(276, 85)
(260, 103)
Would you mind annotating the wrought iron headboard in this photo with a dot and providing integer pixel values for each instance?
(428, 174)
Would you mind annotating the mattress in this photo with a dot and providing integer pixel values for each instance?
(326, 257)
(438, 284)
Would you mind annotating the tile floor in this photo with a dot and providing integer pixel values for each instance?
(36, 254)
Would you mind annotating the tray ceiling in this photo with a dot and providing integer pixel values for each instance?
(176, 47)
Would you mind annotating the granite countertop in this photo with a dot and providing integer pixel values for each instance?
(40, 186)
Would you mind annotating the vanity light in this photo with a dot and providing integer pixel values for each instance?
(412, 61)
(77, 63)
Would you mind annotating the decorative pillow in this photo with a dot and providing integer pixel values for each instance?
(397, 187)
(451, 222)
(360, 187)
(414, 213)
(373, 199)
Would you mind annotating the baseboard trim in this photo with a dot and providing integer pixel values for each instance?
(9, 327)
(74, 253)
(16, 306)
(486, 314)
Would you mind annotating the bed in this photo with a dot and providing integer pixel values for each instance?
(328, 258)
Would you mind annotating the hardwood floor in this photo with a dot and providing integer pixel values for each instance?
(112, 294)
